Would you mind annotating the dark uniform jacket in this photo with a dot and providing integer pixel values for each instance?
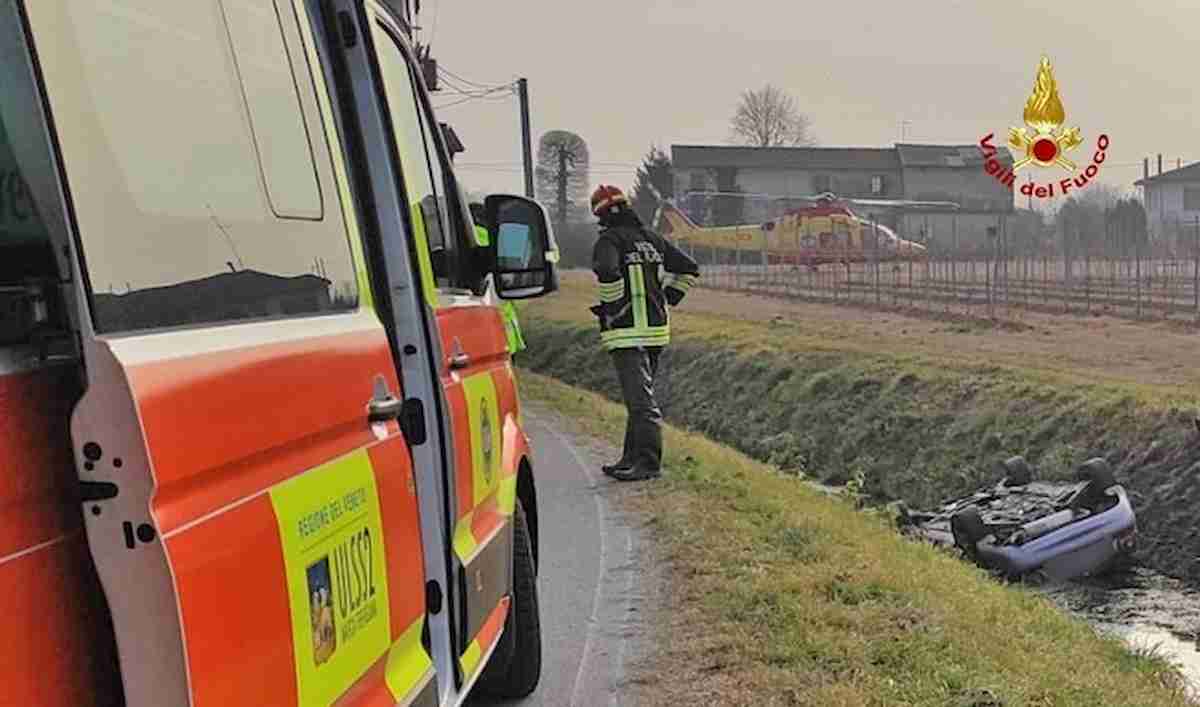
(640, 273)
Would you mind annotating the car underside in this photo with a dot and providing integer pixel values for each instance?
(1022, 528)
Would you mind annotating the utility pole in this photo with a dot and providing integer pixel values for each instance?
(526, 147)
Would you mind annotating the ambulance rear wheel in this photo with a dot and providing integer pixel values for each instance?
(523, 629)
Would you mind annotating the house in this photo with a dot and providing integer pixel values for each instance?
(1172, 201)
(767, 175)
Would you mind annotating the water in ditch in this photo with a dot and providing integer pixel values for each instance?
(1148, 610)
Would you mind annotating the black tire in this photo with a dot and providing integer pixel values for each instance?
(1017, 471)
(518, 676)
(968, 528)
(1097, 473)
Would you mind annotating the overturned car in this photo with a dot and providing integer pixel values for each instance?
(1025, 528)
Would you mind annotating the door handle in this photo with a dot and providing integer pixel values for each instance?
(459, 360)
(384, 409)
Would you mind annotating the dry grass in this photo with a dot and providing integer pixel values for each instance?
(1154, 359)
(780, 595)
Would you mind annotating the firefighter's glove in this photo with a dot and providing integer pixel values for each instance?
(674, 296)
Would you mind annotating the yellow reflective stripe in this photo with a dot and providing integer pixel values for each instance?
(512, 328)
(361, 276)
(643, 333)
(609, 288)
(634, 343)
(483, 418)
(424, 264)
(683, 282)
(464, 540)
(611, 291)
(506, 497)
(470, 659)
(330, 528)
(408, 665)
(512, 374)
(637, 292)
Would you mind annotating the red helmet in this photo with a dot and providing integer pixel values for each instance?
(607, 198)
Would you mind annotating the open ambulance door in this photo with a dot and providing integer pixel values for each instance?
(249, 492)
(455, 333)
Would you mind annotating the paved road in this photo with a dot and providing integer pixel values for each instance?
(592, 585)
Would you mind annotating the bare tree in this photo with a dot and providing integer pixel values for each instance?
(769, 117)
(562, 174)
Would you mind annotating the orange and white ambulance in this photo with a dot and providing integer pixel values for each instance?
(260, 429)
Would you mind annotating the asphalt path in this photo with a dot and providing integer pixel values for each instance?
(594, 584)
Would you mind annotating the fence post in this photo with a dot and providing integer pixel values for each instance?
(765, 270)
(1004, 249)
(954, 258)
(988, 274)
(1137, 256)
(875, 256)
(1087, 279)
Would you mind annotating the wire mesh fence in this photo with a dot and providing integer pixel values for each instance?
(1155, 277)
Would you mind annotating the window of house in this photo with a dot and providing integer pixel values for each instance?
(822, 183)
(1191, 198)
(877, 184)
(184, 229)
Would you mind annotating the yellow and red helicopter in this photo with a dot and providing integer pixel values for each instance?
(827, 231)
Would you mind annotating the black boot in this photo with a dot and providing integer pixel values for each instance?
(611, 469)
(635, 474)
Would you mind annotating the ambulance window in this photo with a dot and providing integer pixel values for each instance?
(31, 219)
(26, 174)
(176, 223)
(419, 159)
(280, 135)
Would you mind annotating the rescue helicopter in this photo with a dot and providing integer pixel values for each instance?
(826, 231)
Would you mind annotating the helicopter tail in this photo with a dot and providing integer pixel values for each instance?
(672, 222)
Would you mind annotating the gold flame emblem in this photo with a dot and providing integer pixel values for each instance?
(1044, 142)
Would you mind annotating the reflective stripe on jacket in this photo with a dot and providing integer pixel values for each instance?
(639, 274)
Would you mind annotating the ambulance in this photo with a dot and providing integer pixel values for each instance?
(260, 431)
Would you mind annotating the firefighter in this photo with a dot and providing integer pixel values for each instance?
(508, 310)
(640, 274)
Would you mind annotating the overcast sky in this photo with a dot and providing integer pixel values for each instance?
(627, 73)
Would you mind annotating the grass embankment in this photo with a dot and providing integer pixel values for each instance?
(780, 595)
(903, 424)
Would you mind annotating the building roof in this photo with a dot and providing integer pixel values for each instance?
(1188, 173)
(882, 158)
(714, 156)
(947, 155)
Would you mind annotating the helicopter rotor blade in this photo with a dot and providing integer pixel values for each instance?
(828, 196)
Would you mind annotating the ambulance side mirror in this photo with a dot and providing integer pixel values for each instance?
(523, 251)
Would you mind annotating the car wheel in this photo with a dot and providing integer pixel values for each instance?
(1017, 471)
(1098, 473)
(968, 528)
(519, 675)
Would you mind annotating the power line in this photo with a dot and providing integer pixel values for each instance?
(433, 30)
(471, 89)
(453, 75)
(489, 95)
